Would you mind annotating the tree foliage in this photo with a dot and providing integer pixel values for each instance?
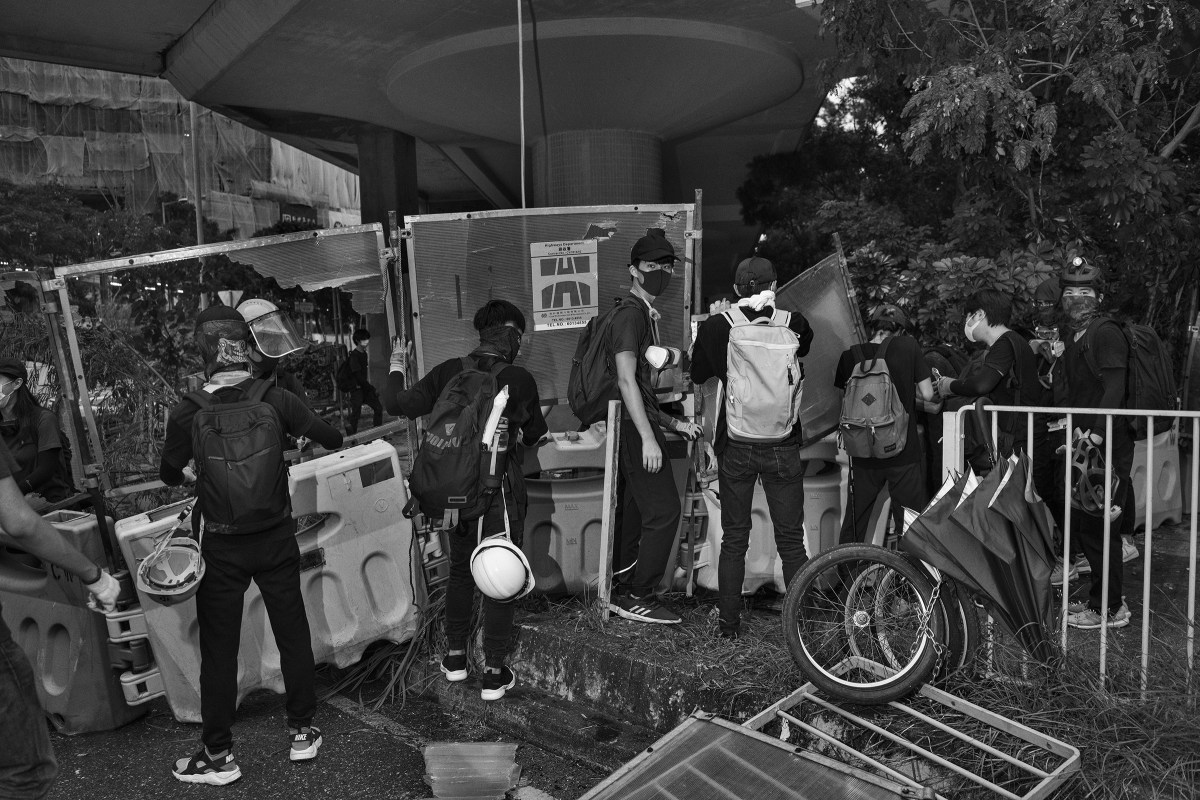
(1008, 135)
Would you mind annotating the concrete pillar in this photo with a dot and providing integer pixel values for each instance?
(387, 181)
(597, 167)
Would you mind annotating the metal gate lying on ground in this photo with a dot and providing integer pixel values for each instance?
(890, 753)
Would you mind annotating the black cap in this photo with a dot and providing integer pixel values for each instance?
(14, 368)
(754, 272)
(652, 247)
(890, 313)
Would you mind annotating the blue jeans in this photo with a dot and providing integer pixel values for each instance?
(27, 766)
(782, 473)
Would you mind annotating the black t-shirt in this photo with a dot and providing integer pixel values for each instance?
(1081, 388)
(37, 449)
(710, 358)
(632, 331)
(907, 367)
(524, 410)
(8, 464)
(1008, 376)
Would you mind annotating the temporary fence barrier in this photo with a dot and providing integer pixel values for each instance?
(356, 572)
(45, 607)
(954, 432)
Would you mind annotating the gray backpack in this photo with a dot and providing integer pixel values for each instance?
(874, 423)
(764, 378)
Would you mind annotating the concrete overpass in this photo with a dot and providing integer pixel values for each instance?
(624, 101)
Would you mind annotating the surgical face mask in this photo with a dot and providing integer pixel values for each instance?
(7, 392)
(970, 327)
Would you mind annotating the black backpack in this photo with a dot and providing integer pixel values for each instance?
(241, 477)
(593, 380)
(344, 378)
(1149, 378)
(448, 472)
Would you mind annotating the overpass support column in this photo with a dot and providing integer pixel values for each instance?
(597, 167)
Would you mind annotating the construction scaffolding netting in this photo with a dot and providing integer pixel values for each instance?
(127, 137)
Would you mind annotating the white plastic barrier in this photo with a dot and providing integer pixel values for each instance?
(1165, 480)
(357, 576)
(824, 494)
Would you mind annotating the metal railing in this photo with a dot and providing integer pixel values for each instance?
(953, 457)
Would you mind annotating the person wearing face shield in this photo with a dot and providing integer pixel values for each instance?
(1008, 375)
(1092, 338)
(501, 327)
(275, 341)
(247, 534)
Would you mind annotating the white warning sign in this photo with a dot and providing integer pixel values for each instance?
(564, 284)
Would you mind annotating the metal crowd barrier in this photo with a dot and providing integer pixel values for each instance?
(953, 458)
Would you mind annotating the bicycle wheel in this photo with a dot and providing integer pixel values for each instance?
(858, 622)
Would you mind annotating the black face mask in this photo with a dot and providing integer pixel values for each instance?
(656, 282)
(503, 340)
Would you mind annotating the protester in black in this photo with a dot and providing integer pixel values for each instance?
(27, 765)
(777, 465)
(32, 435)
(364, 392)
(648, 502)
(501, 326)
(902, 474)
(1077, 387)
(1008, 376)
(269, 557)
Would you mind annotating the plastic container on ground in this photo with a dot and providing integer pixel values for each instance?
(66, 643)
(562, 526)
(356, 573)
(1165, 480)
(823, 493)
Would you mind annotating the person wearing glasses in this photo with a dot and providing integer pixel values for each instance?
(648, 503)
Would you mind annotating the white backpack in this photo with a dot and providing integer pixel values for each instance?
(764, 378)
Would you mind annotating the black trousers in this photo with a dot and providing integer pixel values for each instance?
(905, 484)
(648, 512)
(363, 396)
(272, 561)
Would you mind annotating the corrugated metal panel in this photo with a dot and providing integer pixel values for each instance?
(710, 759)
(347, 258)
(462, 261)
(822, 294)
(349, 261)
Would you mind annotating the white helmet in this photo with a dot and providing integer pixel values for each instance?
(172, 573)
(273, 332)
(500, 569)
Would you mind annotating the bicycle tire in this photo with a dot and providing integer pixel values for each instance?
(963, 634)
(860, 623)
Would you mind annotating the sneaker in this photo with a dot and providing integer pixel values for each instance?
(647, 609)
(1076, 607)
(454, 667)
(1087, 619)
(495, 684)
(1082, 565)
(201, 768)
(305, 743)
(1129, 550)
(1056, 575)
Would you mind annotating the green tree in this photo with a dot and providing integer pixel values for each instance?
(1068, 121)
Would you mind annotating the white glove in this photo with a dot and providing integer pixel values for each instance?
(104, 592)
(758, 301)
(189, 475)
(688, 430)
(399, 360)
(718, 307)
